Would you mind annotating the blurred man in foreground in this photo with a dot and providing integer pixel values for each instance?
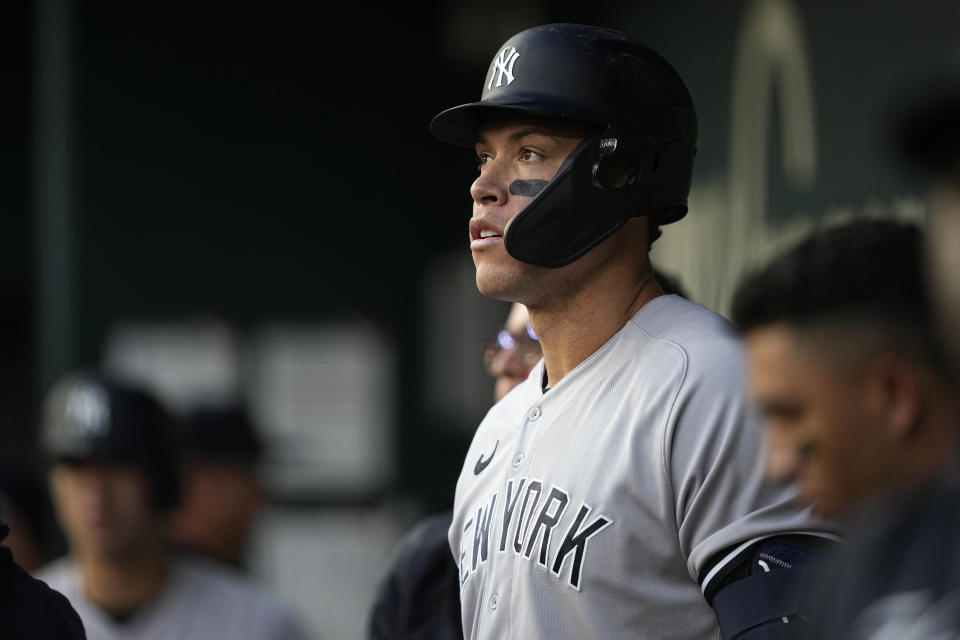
(844, 366)
(900, 577)
(861, 415)
(114, 479)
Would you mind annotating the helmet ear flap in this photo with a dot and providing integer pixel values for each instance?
(621, 174)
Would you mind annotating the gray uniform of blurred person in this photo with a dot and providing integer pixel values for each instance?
(114, 479)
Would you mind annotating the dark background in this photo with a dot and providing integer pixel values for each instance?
(270, 163)
(273, 161)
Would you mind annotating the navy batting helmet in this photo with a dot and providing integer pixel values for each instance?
(91, 417)
(645, 120)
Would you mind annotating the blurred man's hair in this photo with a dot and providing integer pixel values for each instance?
(224, 434)
(864, 273)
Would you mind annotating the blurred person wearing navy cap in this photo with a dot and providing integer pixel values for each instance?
(114, 478)
(222, 493)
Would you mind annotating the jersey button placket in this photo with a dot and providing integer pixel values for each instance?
(494, 601)
(532, 416)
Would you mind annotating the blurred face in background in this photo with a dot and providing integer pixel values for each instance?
(104, 508)
(827, 422)
(220, 503)
(512, 352)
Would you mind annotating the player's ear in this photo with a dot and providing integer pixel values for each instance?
(895, 391)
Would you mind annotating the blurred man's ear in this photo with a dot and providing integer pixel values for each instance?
(895, 386)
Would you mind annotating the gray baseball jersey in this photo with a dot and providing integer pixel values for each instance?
(199, 601)
(591, 510)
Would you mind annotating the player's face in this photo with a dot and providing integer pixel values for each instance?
(219, 507)
(944, 260)
(513, 155)
(510, 364)
(823, 428)
(103, 507)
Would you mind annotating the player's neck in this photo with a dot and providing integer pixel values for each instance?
(119, 586)
(571, 329)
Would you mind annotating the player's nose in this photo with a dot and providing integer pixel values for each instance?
(490, 187)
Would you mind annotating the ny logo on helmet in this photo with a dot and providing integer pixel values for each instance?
(503, 64)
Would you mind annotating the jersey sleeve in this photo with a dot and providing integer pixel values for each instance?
(714, 452)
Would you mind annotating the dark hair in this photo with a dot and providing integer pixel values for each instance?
(865, 271)
(221, 434)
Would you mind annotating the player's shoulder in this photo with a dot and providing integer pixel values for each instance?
(225, 587)
(703, 338)
(31, 608)
(59, 574)
(520, 397)
(674, 317)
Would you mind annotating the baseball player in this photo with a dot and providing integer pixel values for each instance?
(618, 492)
(113, 479)
(859, 415)
(511, 353)
(899, 576)
(839, 320)
(221, 490)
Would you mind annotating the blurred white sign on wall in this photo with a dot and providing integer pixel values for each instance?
(184, 363)
(326, 398)
(323, 395)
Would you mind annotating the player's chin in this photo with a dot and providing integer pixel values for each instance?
(496, 281)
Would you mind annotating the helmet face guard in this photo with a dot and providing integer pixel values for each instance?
(642, 161)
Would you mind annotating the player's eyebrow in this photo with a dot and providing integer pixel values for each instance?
(528, 131)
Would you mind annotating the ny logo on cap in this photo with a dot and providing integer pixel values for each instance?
(88, 411)
(503, 64)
